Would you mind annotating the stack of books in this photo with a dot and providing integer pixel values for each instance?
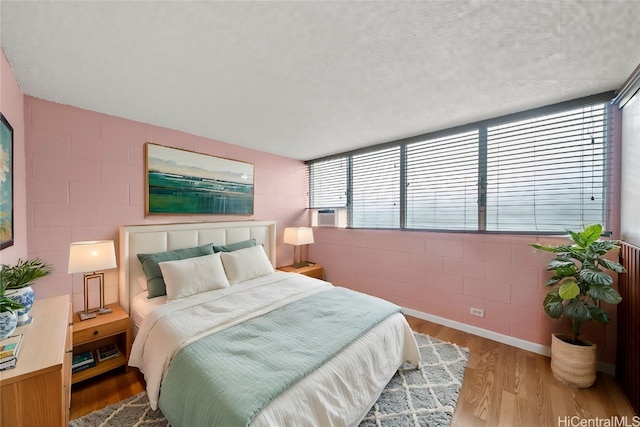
(9, 348)
(107, 352)
(82, 361)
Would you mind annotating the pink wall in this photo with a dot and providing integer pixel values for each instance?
(444, 274)
(11, 106)
(85, 178)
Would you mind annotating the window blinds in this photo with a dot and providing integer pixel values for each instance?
(376, 189)
(542, 171)
(442, 183)
(328, 183)
(548, 173)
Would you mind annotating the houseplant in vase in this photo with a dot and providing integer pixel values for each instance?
(579, 284)
(8, 316)
(16, 280)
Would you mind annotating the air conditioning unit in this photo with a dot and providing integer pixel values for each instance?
(326, 218)
(329, 218)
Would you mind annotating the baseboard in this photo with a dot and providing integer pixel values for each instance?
(495, 336)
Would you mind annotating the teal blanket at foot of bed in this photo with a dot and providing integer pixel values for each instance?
(227, 378)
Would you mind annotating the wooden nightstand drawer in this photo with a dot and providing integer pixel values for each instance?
(99, 331)
(318, 273)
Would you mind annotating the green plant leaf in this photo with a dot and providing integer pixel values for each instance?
(558, 249)
(597, 249)
(577, 238)
(567, 271)
(559, 263)
(553, 304)
(611, 265)
(568, 290)
(603, 246)
(598, 314)
(575, 252)
(577, 309)
(8, 304)
(590, 234)
(547, 248)
(22, 273)
(604, 293)
(553, 281)
(595, 276)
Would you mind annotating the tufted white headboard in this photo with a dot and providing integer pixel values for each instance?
(135, 239)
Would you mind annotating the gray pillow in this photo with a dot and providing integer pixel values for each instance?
(155, 282)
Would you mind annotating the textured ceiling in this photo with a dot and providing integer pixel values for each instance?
(306, 79)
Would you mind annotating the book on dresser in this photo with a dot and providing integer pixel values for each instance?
(109, 351)
(9, 348)
(82, 361)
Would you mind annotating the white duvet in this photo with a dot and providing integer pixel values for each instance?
(338, 394)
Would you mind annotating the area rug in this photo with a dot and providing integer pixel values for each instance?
(414, 397)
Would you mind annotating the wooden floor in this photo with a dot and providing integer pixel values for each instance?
(503, 386)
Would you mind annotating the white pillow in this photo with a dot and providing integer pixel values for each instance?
(245, 264)
(192, 276)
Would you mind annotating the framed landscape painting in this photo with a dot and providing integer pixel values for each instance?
(185, 182)
(6, 183)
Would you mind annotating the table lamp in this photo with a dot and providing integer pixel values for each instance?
(90, 258)
(298, 236)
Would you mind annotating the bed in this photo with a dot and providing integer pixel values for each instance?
(277, 348)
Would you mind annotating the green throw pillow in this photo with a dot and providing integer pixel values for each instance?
(235, 246)
(155, 282)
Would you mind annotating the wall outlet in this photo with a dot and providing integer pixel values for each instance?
(476, 312)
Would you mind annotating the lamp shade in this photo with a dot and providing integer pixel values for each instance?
(85, 257)
(298, 235)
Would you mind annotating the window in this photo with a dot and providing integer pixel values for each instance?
(547, 173)
(545, 170)
(328, 182)
(376, 189)
(442, 183)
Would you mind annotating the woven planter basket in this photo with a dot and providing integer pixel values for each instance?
(573, 364)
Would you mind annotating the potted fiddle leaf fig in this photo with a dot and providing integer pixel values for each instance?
(578, 286)
(16, 281)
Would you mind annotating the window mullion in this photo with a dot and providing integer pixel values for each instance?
(403, 186)
(482, 178)
(350, 191)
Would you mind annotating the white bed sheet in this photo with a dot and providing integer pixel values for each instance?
(338, 394)
(141, 306)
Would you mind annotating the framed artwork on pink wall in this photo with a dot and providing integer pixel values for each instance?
(6, 183)
(184, 182)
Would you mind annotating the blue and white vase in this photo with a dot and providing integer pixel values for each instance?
(25, 297)
(8, 323)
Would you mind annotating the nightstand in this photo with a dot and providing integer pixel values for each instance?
(313, 270)
(104, 329)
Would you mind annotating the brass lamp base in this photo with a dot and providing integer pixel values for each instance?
(301, 264)
(86, 316)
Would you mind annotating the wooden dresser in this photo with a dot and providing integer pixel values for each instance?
(37, 391)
